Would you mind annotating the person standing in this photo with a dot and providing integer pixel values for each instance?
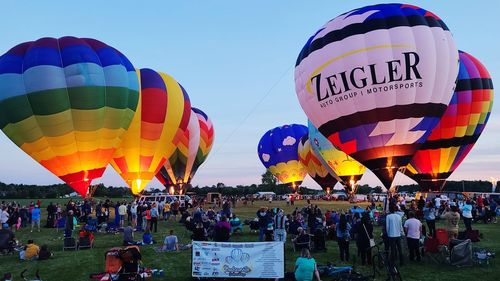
(467, 215)
(413, 230)
(122, 212)
(133, 214)
(430, 218)
(394, 228)
(35, 218)
(262, 216)
(343, 237)
(305, 267)
(452, 217)
(280, 222)
(154, 218)
(364, 232)
(166, 211)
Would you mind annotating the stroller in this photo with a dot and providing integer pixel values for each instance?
(122, 265)
(461, 252)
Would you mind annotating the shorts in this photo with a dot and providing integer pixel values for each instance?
(35, 222)
(134, 216)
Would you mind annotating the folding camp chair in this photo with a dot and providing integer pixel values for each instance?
(434, 251)
(85, 243)
(69, 243)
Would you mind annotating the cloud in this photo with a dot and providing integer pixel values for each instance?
(289, 141)
(266, 157)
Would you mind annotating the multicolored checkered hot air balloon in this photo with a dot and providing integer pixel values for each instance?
(375, 82)
(314, 166)
(67, 103)
(277, 150)
(149, 140)
(345, 168)
(206, 139)
(459, 128)
(177, 169)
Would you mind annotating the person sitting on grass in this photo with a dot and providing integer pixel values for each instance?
(128, 236)
(199, 233)
(302, 240)
(305, 267)
(171, 243)
(147, 238)
(44, 253)
(30, 251)
(222, 230)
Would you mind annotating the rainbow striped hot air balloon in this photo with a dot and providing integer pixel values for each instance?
(177, 169)
(67, 103)
(149, 140)
(314, 166)
(206, 139)
(278, 152)
(376, 80)
(459, 128)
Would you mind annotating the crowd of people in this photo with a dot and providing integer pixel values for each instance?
(307, 228)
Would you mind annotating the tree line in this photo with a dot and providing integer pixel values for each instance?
(268, 183)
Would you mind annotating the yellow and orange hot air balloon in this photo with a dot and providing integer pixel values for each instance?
(348, 170)
(67, 103)
(149, 141)
(314, 167)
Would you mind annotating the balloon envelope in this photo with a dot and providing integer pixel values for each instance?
(149, 140)
(277, 151)
(314, 166)
(376, 80)
(459, 128)
(206, 139)
(348, 170)
(177, 169)
(67, 103)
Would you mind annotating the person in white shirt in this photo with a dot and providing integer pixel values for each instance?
(394, 228)
(122, 211)
(413, 230)
(4, 215)
(133, 212)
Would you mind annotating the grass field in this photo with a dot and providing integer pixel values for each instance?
(71, 265)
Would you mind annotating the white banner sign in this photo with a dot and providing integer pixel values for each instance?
(238, 260)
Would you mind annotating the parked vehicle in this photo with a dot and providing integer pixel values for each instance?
(162, 198)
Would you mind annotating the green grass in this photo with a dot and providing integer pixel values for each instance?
(71, 265)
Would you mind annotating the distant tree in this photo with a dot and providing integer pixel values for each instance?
(268, 179)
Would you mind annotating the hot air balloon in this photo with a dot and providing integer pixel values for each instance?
(177, 169)
(67, 103)
(348, 170)
(459, 128)
(277, 150)
(206, 139)
(375, 82)
(314, 167)
(149, 140)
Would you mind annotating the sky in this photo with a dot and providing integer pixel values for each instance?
(236, 61)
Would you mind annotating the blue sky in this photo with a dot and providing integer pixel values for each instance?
(235, 59)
